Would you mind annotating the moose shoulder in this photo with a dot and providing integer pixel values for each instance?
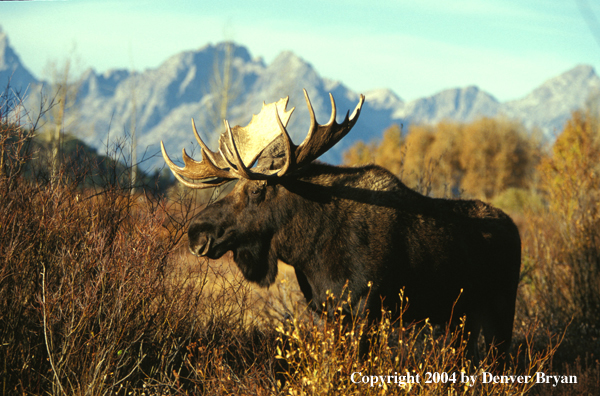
(359, 228)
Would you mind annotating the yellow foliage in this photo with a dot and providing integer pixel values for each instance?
(386, 154)
(565, 237)
(431, 160)
(359, 154)
(481, 159)
(572, 173)
(496, 154)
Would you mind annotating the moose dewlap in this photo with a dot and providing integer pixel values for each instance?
(354, 226)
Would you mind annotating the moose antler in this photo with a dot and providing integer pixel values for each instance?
(321, 138)
(241, 147)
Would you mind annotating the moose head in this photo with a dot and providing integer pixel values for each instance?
(262, 157)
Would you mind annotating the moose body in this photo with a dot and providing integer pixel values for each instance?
(362, 231)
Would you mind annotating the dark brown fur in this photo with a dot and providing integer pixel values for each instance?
(359, 225)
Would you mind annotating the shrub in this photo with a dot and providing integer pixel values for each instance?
(94, 298)
(562, 239)
(324, 357)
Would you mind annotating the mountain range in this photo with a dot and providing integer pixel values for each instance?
(162, 101)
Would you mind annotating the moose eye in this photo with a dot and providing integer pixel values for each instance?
(255, 192)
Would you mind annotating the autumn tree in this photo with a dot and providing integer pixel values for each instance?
(567, 231)
(496, 154)
(359, 154)
(479, 159)
(571, 174)
(430, 162)
(389, 152)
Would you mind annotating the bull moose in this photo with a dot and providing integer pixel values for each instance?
(358, 229)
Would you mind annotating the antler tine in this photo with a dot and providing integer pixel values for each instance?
(214, 158)
(333, 111)
(311, 112)
(239, 164)
(194, 170)
(288, 144)
(321, 138)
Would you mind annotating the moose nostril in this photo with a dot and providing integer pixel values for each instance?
(200, 247)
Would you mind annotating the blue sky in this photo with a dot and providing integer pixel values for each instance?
(415, 48)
